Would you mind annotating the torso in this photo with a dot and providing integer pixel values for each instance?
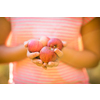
(66, 29)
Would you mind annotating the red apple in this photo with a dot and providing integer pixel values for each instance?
(44, 40)
(34, 45)
(47, 54)
(55, 43)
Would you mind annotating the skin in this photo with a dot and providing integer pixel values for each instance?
(9, 54)
(39, 62)
(87, 58)
(90, 56)
(17, 53)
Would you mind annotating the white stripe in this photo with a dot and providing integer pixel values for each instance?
(68, 26)
(50, 19)
(46, 23)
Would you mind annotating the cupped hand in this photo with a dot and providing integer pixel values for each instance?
(34, 57)
(59, 54)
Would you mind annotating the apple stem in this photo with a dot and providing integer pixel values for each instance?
(54, 46)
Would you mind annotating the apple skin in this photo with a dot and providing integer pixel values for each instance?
(47, 54)
(55, 43)
(44, 40)
(34, 45)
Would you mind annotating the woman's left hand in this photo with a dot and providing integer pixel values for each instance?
(39, 62)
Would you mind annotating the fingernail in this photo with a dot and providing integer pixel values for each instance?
(34, 61)
(45, 67)
(40, 62)
(49, 63)
(56, 64)
(37, 53)
(56, 50)
(25, 43)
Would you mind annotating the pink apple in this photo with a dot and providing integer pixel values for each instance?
(44, 40)
(34, 45)
(47, 54)
(55, 43)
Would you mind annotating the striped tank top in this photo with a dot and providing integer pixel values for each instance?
(65, 28)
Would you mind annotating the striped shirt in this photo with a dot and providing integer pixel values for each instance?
(64, 28)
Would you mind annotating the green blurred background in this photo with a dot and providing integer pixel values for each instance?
(94, 74)
(4, 73)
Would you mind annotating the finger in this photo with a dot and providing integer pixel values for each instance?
(64, 43)
(53, 64)
(50, 64)
(37, 61)
(32, 55)
(40, 65)
(44, 65)
(26, 44)
(58, 52)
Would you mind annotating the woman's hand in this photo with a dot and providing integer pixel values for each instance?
(34, 57)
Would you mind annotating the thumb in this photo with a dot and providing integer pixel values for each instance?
(58, 52)
(64, 43)
(44, 65)
(26, 44)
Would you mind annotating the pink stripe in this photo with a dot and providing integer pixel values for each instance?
(47, 34)
(43, 79)
(70, 26)
(38, 71)
(48, 80)
(43, 28)
(66, 29)
(48, 23)
(18, 81)
(39, 35)
(63, 73)
(49, 18)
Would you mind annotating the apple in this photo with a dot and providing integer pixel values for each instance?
(55, 43)
(34, 45)
(47, 54)
(44, 40)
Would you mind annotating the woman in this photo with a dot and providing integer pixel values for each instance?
(72, 63)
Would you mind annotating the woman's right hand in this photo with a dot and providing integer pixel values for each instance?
(34, 57)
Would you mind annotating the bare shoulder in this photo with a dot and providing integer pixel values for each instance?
(5, 28)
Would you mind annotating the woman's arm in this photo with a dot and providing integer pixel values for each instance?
(89, 57)
(9, 54)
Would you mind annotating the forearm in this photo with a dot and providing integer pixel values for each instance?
(79, 59)
(10, 54)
